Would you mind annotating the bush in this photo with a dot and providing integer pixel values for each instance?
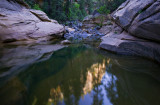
(75, 13)
(76, 5)
(103, 10)
(101, 19)
(60, 10)
(110, 4)
(36, 6)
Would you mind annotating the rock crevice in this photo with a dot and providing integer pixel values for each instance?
(22, 24)
(141, 22)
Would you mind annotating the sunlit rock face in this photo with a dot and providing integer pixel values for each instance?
(141, 36)
(18, 23)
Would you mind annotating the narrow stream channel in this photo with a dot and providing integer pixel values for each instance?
(81, 75)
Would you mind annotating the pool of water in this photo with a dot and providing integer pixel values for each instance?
(77, 75)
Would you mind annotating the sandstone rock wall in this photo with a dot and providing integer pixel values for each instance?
(18, 23)
(141, 36)
(140, 18)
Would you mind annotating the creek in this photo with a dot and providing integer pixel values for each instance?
(80, 74)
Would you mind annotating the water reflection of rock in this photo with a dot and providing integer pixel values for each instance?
(56, 95)
(15, 57)
(67, 70)
(132, 81)
(73, 73)
(94, 76)
(13, 93)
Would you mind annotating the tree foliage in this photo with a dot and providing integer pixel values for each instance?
(110, 4)
(63, 10)
(103, 10)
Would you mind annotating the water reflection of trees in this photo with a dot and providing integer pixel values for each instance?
(130, 87)
(111, 89)
(81, 85)
(72, 73)
(96, 72)
(97, 95)
(106, 79)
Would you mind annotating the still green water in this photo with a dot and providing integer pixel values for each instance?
(82, 75)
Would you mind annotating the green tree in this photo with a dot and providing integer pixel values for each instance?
(82, 7)
(36, 6)
(90, 6)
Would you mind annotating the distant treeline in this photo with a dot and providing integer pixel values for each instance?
(64, 10)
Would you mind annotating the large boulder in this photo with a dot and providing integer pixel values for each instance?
(147, 24)
(126, 44)
(141, 36)
(139, 18)
(18, 23)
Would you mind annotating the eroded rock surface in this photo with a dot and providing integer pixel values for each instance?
(18, 23)
(141, 36)
(126, 44)
(139, 18)
(147, 24)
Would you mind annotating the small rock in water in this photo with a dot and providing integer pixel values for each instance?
(71, 29)
(97, 28)
(68, 29)
(78, 33)
(65, 42)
